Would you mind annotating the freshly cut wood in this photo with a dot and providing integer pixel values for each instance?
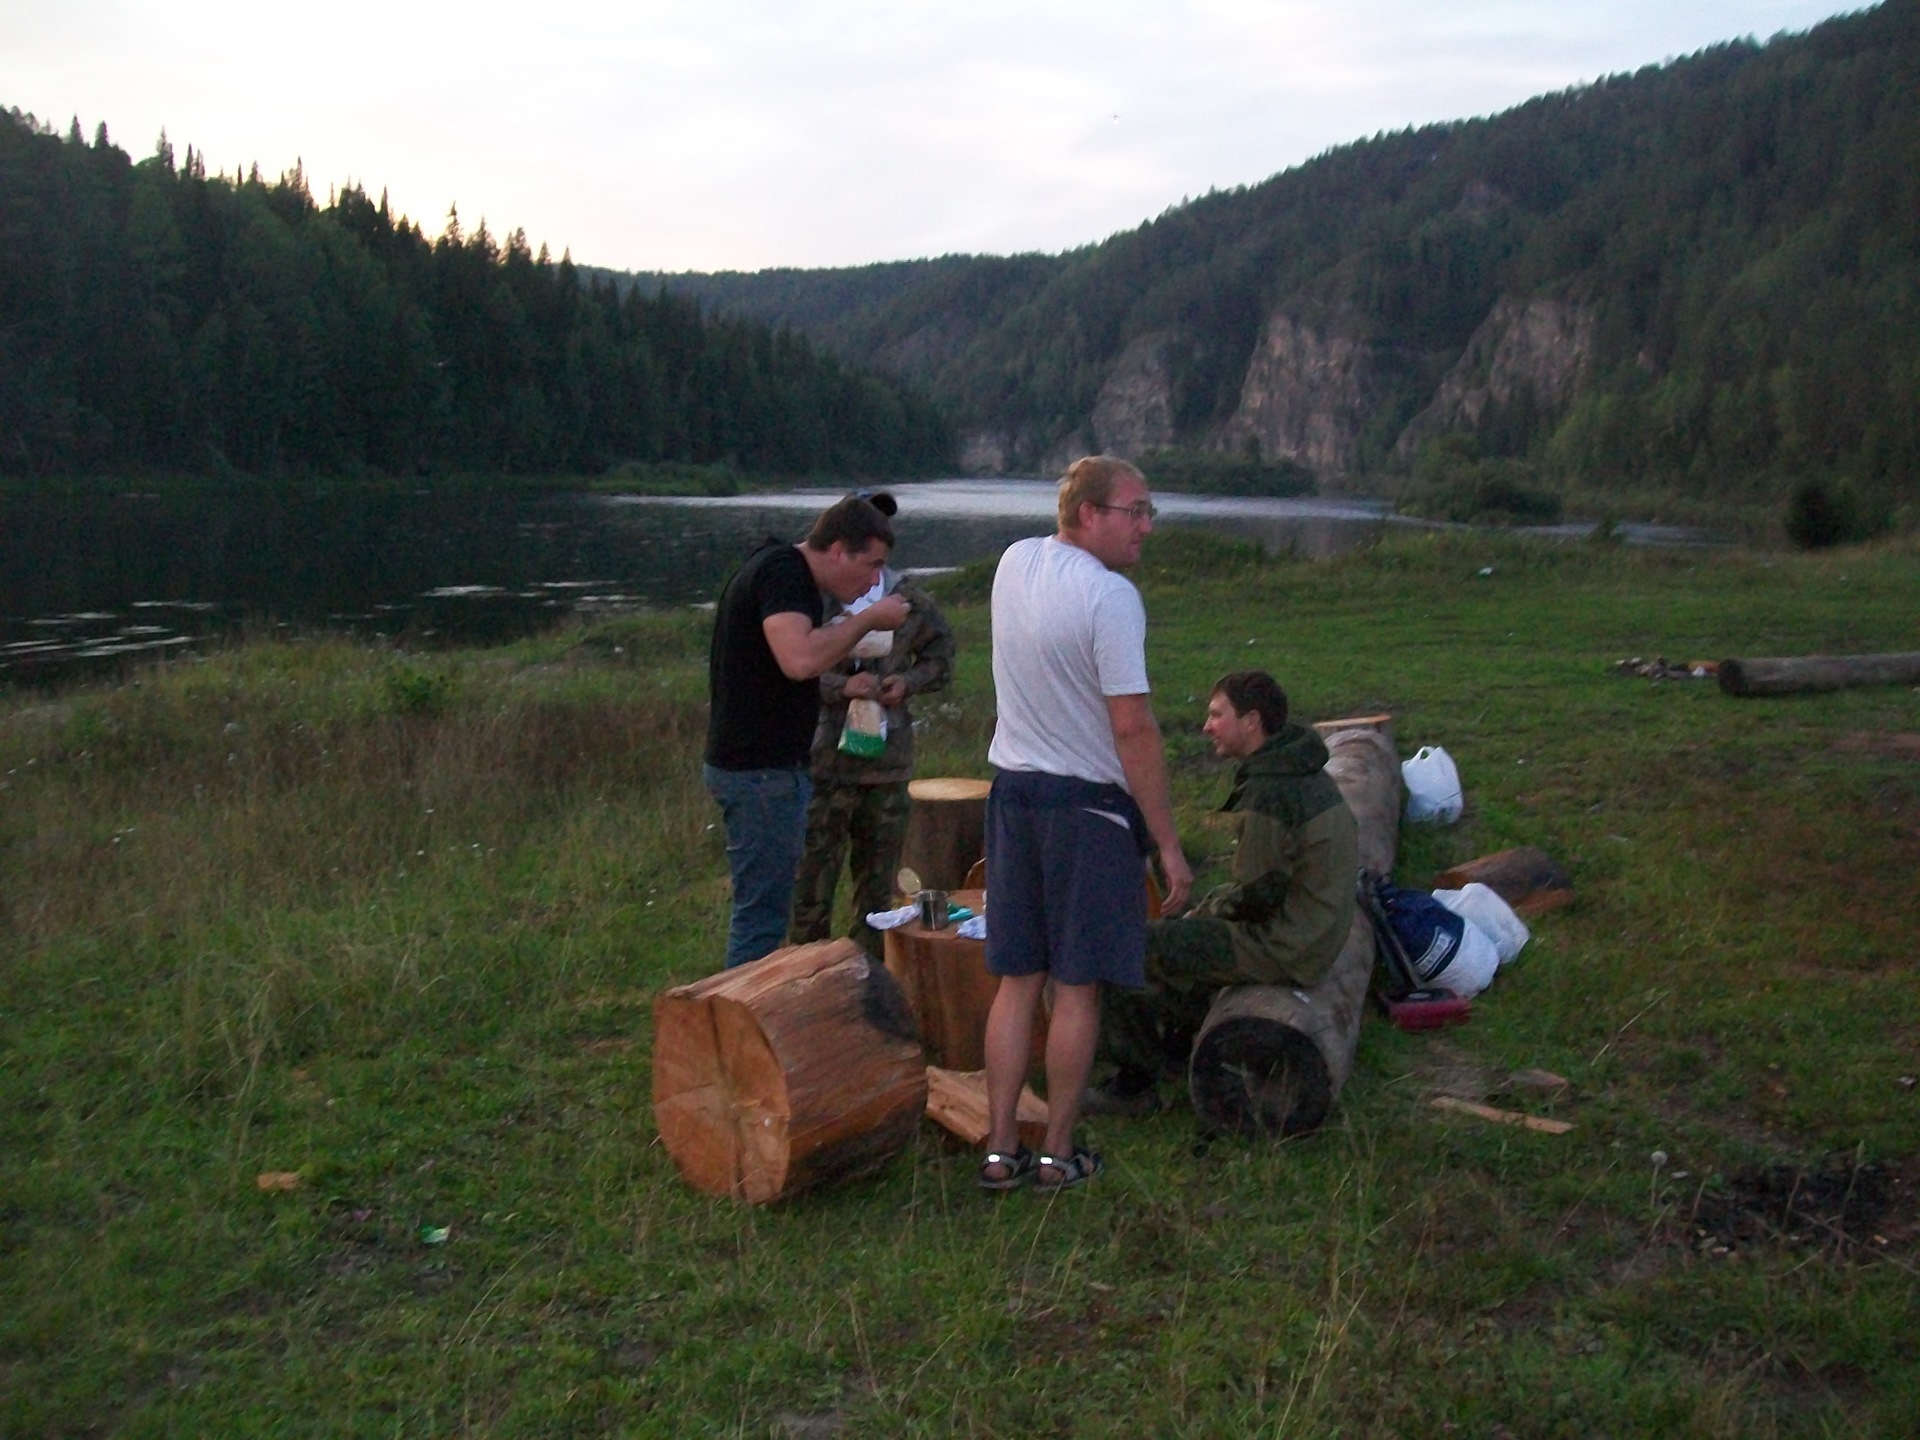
(1271, 1059)
(795, 1070)
(1502, 1117)
(1526, 877)
(946, 829)
(1791, 674)
(957, 1103)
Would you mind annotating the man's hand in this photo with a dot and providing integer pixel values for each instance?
(1179, 876)
(893, 690)
(886, 614)
(863, 685)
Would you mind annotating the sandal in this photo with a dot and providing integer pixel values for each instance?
(1078, 1168)
(1015, 1169)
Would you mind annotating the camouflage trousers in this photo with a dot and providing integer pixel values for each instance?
(861, 826)
(1152, 1030)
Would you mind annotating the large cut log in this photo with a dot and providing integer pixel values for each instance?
(1526, 877)
(946, 830)
(1792, 674)
(1271, 1059)
(798, 1069)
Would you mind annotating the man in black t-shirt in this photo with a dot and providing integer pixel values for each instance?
(769, 650)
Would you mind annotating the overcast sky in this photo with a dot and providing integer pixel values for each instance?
(743, 134)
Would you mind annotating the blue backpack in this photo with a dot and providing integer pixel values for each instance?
(1425, 934)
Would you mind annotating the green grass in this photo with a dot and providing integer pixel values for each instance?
(396, 922)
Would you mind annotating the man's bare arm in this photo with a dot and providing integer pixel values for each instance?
(1136, 735)
(804, 650)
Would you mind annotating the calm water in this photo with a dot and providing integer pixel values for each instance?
(93, 583)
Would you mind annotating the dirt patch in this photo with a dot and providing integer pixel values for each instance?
(1901, 745)
(1851, 1209)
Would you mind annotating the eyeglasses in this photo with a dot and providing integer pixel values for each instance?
(1138, 511)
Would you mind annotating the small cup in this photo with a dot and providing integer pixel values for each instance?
(933, 908)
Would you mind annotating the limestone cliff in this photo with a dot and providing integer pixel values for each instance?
(1537, 348)
(1134, 411)
(1307, 392)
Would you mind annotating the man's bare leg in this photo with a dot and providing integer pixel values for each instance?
(1073, 1029)
(1009, 1043)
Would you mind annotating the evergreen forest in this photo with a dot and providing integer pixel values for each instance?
(1736, 235)
(155, 319)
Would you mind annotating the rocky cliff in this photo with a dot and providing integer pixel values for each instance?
(1535, 351)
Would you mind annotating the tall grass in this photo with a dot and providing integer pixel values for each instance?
(394, 923)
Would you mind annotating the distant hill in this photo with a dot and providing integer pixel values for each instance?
(1703, 277)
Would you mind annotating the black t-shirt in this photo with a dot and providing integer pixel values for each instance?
(759, 718)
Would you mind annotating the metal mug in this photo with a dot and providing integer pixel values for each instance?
(933, 908)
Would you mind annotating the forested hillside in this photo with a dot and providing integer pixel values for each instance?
(155, 318)
(1702, 277)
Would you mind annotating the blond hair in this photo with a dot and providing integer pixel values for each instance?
(1090, 480)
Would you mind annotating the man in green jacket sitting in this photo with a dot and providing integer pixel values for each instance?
(1282, 919)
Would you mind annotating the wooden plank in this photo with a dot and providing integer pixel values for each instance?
(957, 1103)
(1501, 1117)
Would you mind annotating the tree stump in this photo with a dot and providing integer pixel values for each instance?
(946, 830)
(947, 988)
(1793, 674)
(1271, 1059)
(796, 1070)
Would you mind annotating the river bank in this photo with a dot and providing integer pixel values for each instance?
(391, 923)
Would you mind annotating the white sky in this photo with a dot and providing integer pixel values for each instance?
(742, 134)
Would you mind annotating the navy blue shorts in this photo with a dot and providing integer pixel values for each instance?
(1066, 880)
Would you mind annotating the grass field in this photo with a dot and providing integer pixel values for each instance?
(393, 924)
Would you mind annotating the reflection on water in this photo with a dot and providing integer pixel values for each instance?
(99, 581)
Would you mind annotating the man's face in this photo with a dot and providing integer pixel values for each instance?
(1113, 533)
(851, 573)
(1235, 736)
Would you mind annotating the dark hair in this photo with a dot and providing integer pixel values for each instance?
(852, 522)
(881, 501)
(1255, 690)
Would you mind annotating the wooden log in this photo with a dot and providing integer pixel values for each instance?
(1381, 723)
(946, 830)
(796, 1070)
(957, 1103)
(1271, 1059)
(947, 988)
(1526, 877)
(1364, 764)
(1793, 674)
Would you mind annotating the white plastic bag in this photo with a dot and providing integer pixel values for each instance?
(1482, 906)
(1433, 786)
(865, 733)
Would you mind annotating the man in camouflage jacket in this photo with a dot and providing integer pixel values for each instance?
(861, 805)
(1282, 919)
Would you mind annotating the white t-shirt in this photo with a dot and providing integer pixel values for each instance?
(1067, 633)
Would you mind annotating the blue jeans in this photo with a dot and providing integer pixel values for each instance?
(766, 819)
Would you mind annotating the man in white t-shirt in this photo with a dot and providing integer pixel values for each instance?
(1080, 800)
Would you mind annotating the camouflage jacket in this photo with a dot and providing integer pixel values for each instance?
(923, 655)
(1292, 897)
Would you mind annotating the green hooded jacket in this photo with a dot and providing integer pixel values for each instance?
(1291, 901)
